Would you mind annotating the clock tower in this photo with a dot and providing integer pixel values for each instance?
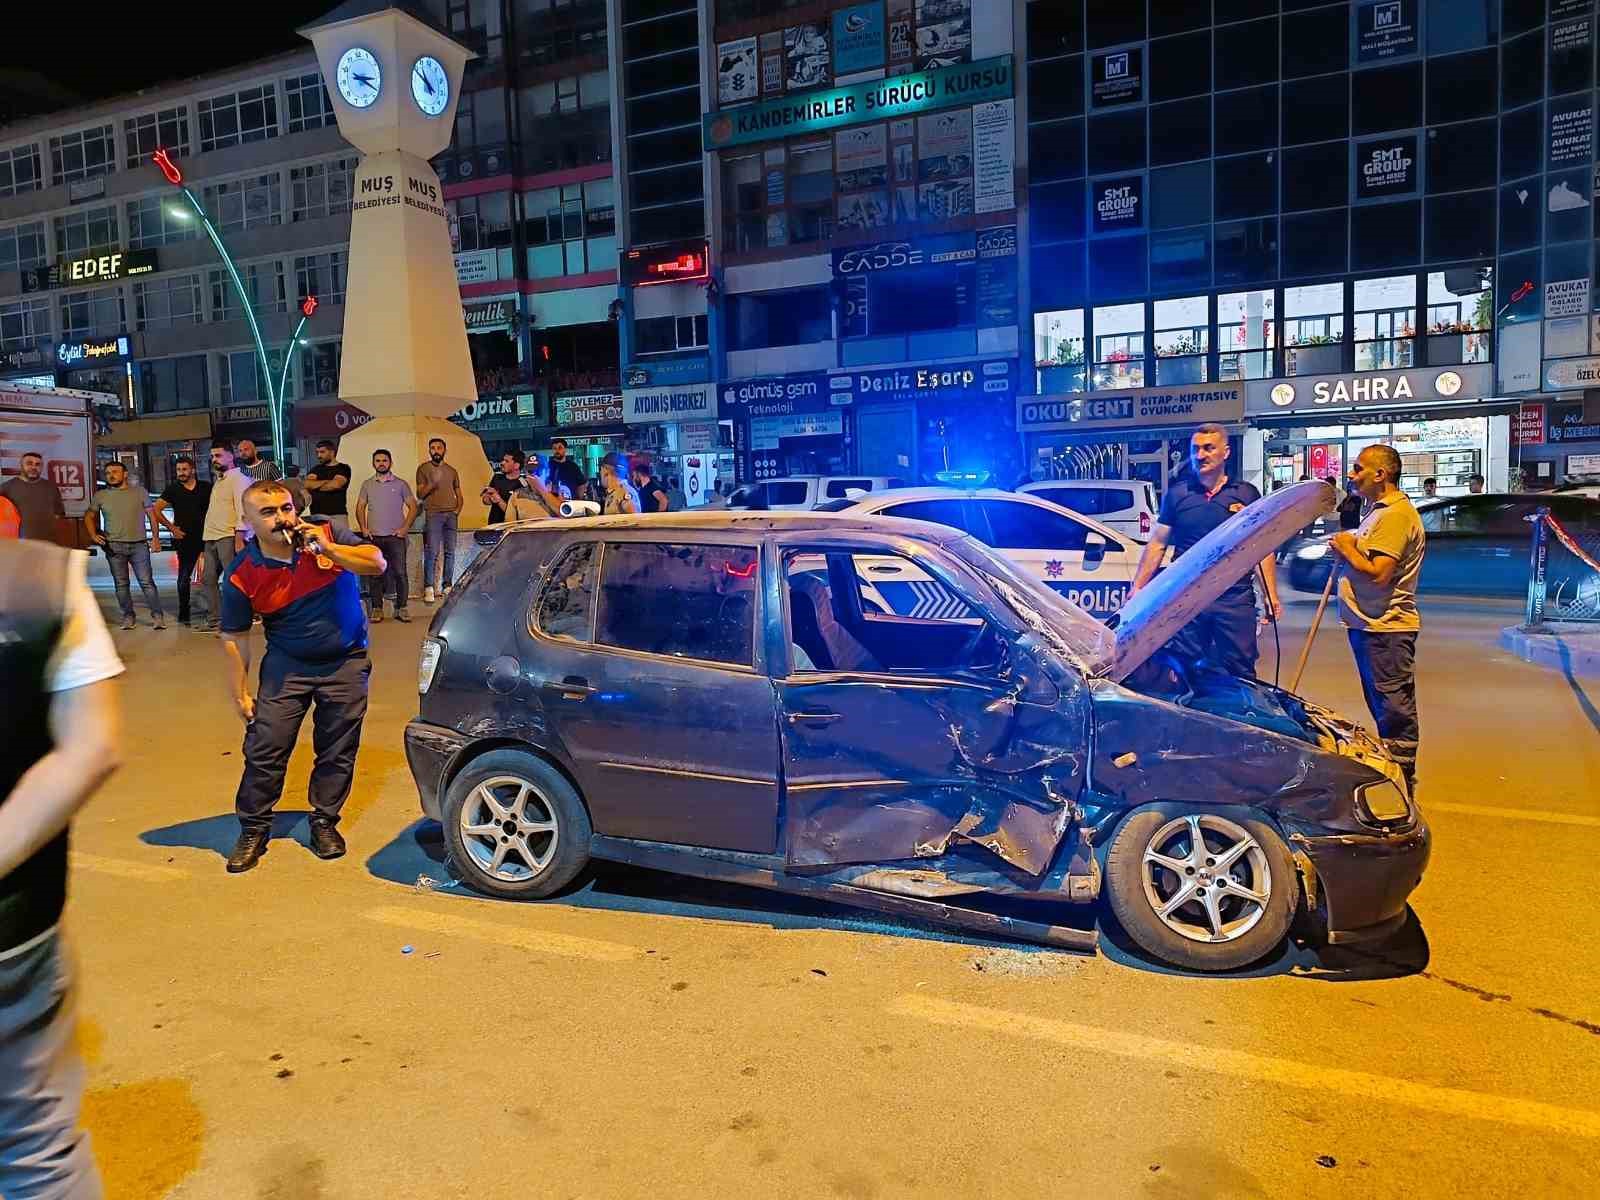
(394, 79)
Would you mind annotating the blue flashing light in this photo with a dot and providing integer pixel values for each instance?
(962, 479)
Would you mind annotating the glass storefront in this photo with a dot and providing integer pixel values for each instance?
(1449, 450)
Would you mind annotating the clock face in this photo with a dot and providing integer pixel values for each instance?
(359, 78)
(430, 86)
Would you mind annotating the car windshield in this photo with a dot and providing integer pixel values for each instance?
(1057, 620)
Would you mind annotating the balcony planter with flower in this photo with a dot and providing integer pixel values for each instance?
(1318, 354)
(1451, 342)
(1180, 362)
(1063, 372)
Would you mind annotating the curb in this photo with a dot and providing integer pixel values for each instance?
(1566, 653)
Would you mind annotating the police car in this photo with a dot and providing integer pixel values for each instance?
(1087, 562)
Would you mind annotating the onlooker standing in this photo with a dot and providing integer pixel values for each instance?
(187, 497)
(676, 500)
(384, 512)
(505, 481)
(534, 501)
(122, 509)
(1430, 488)
(38, 500)
(62, 741)
(1350, 507)
(1378, 601)
(564, 473)
(616, 493)
(297, 577)
(329, 485)
(652, 496)
(1475, 484)
(439, 488)
(225, 526)
(253, 465)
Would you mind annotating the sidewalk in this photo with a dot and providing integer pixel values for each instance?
(1570, 647)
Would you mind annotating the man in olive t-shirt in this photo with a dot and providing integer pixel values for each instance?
(121, 507)
(439, 489)
(1382, 561)
(37, 500)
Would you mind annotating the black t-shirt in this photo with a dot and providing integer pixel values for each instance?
(1191, 514)
(188, 508)
(506, 488)
(565, 472)
(653, 496)
(330, 504)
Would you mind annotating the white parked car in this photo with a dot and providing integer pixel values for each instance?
(1089, 563)
(1127, 505)
(804, 492)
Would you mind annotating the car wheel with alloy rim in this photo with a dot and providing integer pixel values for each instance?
(514, 826)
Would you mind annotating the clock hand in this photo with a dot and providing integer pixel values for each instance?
(366, 79)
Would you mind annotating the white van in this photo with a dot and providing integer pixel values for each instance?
(1127, 505)
(805, 492)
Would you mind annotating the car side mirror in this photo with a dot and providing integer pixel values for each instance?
(1094, 548)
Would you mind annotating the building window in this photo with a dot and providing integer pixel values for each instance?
(565, 123)
(796, 317)
(92, 314)
(1247, 331)
(22, 246)
(810, 194)
(83, 154)
(264, 281)
(483, 222)
(321, 189)
(664, 335)
(144, 135)
(151, 222)
(1058, 350)
(1460, 315)
(322, 276)
(1385, 320)
(171, 300)
(319, 369)
(306, 102)
(480, 119)
(19, 170)
(173, 384)
(239, 380)
(250, 115)
(1119, 346)
(1182, 337)
(476, 24)
(86, 231)
(570, 230)
(24, 324)
(245, 203)
(1313, 329)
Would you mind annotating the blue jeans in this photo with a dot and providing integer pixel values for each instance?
(440, 528)
(119, 556)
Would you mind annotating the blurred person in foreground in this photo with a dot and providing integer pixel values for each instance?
(62, 721)
(300, 578)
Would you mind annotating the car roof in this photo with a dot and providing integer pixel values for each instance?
(879, 500)
(758, 522)
(1083, 483)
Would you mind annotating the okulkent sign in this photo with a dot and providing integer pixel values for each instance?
(1141, 408)
(857, 103)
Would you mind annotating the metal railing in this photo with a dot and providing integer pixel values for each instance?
(1563, 573)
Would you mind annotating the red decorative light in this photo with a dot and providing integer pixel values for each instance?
(308, 305)
(743, 572)
(168, 168)
(1523, 290)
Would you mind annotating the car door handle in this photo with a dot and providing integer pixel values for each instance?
(815, 718)
(884, 570)
(573, 687)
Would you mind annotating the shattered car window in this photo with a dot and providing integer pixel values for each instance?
(1049, 614)
(565, 607)
(679, 599)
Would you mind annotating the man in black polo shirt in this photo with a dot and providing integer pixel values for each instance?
(187, 498)
(329, 486)
(1224, 635)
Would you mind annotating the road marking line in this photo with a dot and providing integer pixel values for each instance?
(1515, 814)
(1259, 1068)
(537, 940)
(123, 869)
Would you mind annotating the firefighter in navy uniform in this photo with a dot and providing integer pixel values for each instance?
(58, 708)
(1224, 635)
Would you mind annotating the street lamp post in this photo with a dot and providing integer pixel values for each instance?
(275, 388)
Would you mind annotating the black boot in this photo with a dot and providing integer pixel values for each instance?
(247, 851)
(326, 841)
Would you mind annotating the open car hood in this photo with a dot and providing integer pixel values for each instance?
(1215, 563)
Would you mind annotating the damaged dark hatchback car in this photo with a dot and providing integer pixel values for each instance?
(722, 695)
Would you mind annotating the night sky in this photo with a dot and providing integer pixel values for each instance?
(99, 51)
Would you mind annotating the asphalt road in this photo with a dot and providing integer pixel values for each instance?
(266, 1037)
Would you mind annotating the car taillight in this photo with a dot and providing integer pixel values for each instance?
(1144, 522)
(428, 663)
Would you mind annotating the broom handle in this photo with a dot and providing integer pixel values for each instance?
(1316, 622)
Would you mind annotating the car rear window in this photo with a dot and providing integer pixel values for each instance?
(786, 492)
(1015, 525)
(840, 487)
(679, 599)
(1096, 502)
(565, 607)
(938, 512)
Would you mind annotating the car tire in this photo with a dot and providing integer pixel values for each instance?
(1224, 924)
(514, 827)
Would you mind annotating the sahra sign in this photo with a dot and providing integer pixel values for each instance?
(1368, 389)
(1141, 408)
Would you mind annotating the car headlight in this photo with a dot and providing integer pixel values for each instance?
(428, 663)
(1382, 803)
(1314, 551)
